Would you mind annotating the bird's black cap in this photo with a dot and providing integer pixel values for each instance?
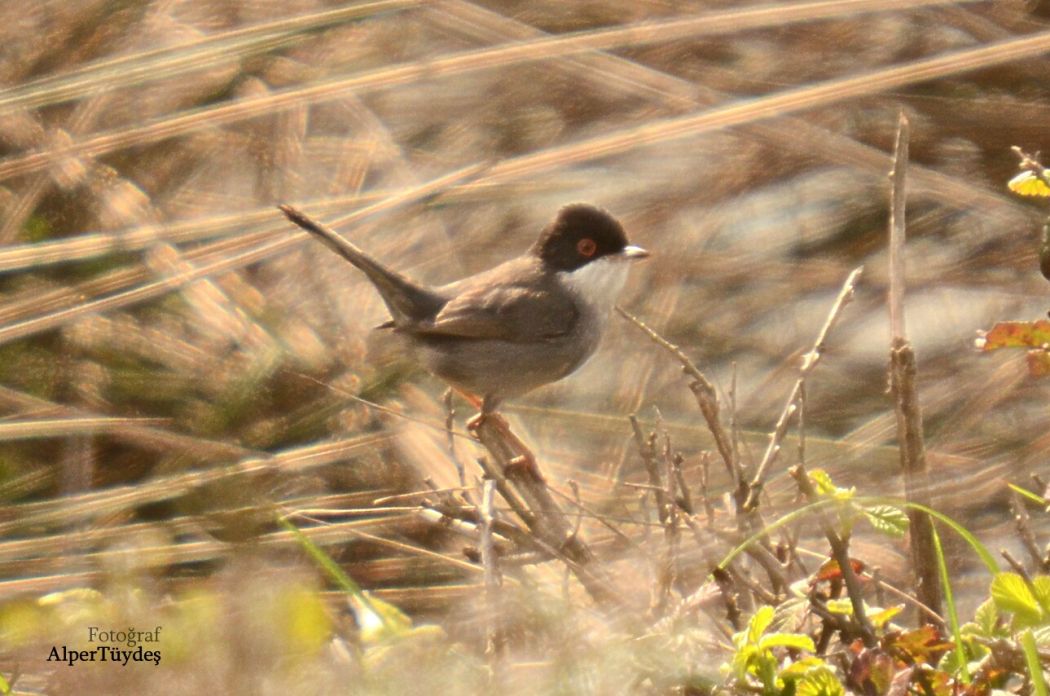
(579, 234)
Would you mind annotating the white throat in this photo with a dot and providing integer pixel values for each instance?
(598, 284)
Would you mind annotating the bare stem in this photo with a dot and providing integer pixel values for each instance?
(809, 362)
(898, 199)
(703, 390)
(494, 639)
(906, 399)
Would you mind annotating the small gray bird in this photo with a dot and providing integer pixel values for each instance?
(527, 322)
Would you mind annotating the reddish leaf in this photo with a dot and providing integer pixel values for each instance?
(988, 677)
(923, 645)
(1014, 334)
(940, 683)
(831, 571)
(872, 671)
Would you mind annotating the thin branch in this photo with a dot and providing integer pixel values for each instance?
(898, 199)
(493, 647)
(450, 433)
(1024, 531)
(809, 362)
(703, 390)
(1030, 163)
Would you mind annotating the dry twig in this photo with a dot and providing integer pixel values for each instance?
(493, 647)
(906, 399)
(1024, 530)
(531, 500)
(809, 362)
(703, 390)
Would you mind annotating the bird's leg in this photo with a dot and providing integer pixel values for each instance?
(524, 459)
(475, 421)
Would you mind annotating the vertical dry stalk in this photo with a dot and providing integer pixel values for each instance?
(671, 537)
(494, 634)
(662, 488)
(450, 420)
(906, 399)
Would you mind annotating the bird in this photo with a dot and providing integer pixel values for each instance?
(525, 323)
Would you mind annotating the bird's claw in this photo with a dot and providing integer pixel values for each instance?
(524, 461)
(475, 422)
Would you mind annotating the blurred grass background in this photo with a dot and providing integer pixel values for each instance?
(168, 381)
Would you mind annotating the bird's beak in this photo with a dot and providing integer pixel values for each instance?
(632, 253)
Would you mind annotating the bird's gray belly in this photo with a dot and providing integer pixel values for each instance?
(489, 367)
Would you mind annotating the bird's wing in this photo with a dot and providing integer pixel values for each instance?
(522, 306)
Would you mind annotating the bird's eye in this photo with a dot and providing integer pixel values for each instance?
(586, 247)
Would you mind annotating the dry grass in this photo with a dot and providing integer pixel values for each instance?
(178, 364)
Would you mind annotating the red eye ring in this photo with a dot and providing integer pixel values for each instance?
(586, 247)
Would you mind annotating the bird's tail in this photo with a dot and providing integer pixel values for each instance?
(407, 301)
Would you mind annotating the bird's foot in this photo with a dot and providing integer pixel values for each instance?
(475, 422)
(524, 461)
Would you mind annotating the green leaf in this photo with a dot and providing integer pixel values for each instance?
(376, 618)
(822, 481)
(781, 521)
(742, 660)
(322, 559)
(303, 620)
(890, 520)
(1041, 589)
(880, 617)
(798, 641)
(840, 606)
(820, 682)
(1011, 593)
(980, 549)
(1034, 497)
(987, 619)
(961, 666)
(801, 667)
(379, 620)
(826, 488)
(759, 623)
